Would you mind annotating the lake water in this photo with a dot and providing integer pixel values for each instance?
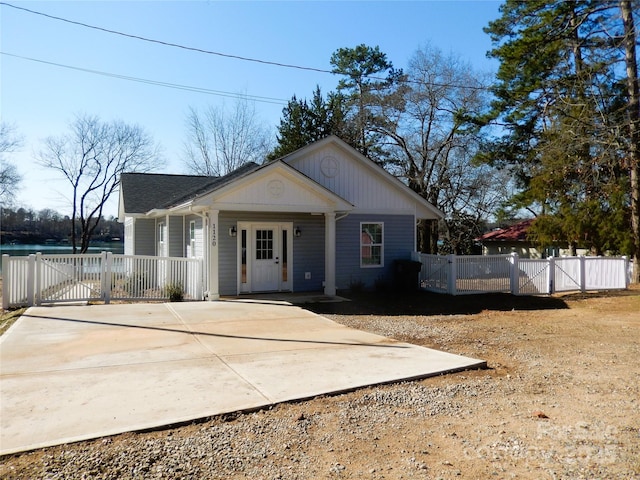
(24, 250)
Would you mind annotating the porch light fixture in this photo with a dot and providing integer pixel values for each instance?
(233, 232)
(297, 232)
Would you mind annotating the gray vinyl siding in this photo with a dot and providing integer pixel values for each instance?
(398, 244)
(145, 236)
(308, 249)
(175, 237)
(227, 254)
(308, 253)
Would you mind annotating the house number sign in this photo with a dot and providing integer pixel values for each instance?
(214, 235)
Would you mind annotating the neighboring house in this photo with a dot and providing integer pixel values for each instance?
(514, 239)
(321, 218)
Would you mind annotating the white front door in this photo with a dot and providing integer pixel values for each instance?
(265, 257)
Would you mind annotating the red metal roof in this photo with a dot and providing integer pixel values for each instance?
(514, 233)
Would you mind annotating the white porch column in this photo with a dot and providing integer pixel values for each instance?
(214, 284)
(330, 253)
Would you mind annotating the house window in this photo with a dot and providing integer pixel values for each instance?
(192, 237)
(161, 232)
(371, 244)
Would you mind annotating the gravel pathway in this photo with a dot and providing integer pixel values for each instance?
(557, 402)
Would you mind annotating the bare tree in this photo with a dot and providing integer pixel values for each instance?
(9, 176)
(432, 144)
(220, 140)
(91, 158)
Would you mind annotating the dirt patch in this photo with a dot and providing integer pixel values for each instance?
(560, 399)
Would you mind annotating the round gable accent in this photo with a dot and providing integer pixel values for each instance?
(329, 166)
(275, 188)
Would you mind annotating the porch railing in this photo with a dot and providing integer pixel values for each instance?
(468, 274)
(45, 279)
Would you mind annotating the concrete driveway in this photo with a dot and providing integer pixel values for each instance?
(80, 372)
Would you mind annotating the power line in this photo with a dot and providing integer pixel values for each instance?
(167, 44)
(227, 55)
(207, 91)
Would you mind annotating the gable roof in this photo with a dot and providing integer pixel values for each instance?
(143, 192)
(214, 184)
(514, 233)
(424, 209)
(253, 190)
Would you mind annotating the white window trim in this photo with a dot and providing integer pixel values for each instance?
(360, 245)
(161, 232)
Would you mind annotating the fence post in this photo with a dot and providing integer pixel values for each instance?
(6, 281)
(106, 276)
(551, 275)
(451, 281)
(515, 274)
(583, 274)
(33, 280)
(627, 273)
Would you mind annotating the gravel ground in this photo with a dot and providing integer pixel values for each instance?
(560, 399)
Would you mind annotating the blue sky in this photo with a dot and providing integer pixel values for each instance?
(41, 99)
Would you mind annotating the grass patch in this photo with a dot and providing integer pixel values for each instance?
(9, 317)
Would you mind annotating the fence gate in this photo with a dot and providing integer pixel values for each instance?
(68, 278)
(534, 277)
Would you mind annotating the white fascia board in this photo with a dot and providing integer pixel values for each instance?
(157, 212)
(261, 207)
(133, 215)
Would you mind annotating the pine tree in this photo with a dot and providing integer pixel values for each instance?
(564, 110)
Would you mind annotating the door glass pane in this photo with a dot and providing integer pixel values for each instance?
(264, 244)
(284, 255)
(243, 234)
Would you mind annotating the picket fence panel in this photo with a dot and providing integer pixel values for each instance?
(45, 279)
(470, 274)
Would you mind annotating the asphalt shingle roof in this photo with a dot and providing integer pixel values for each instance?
(142, 192)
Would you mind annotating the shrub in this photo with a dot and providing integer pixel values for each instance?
(175, 292)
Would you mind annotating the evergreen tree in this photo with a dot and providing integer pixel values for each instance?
(304, 122)
(365, 87)
(562, 103)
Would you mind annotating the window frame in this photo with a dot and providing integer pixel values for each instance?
(371, 245)
(161, 232)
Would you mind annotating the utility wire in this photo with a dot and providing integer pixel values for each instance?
(220, 93)
(168, 44)
(226, 55)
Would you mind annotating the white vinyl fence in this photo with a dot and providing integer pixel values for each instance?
(45, 279)
(468, 274)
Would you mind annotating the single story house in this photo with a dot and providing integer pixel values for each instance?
(318, 219)
(515, 239)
